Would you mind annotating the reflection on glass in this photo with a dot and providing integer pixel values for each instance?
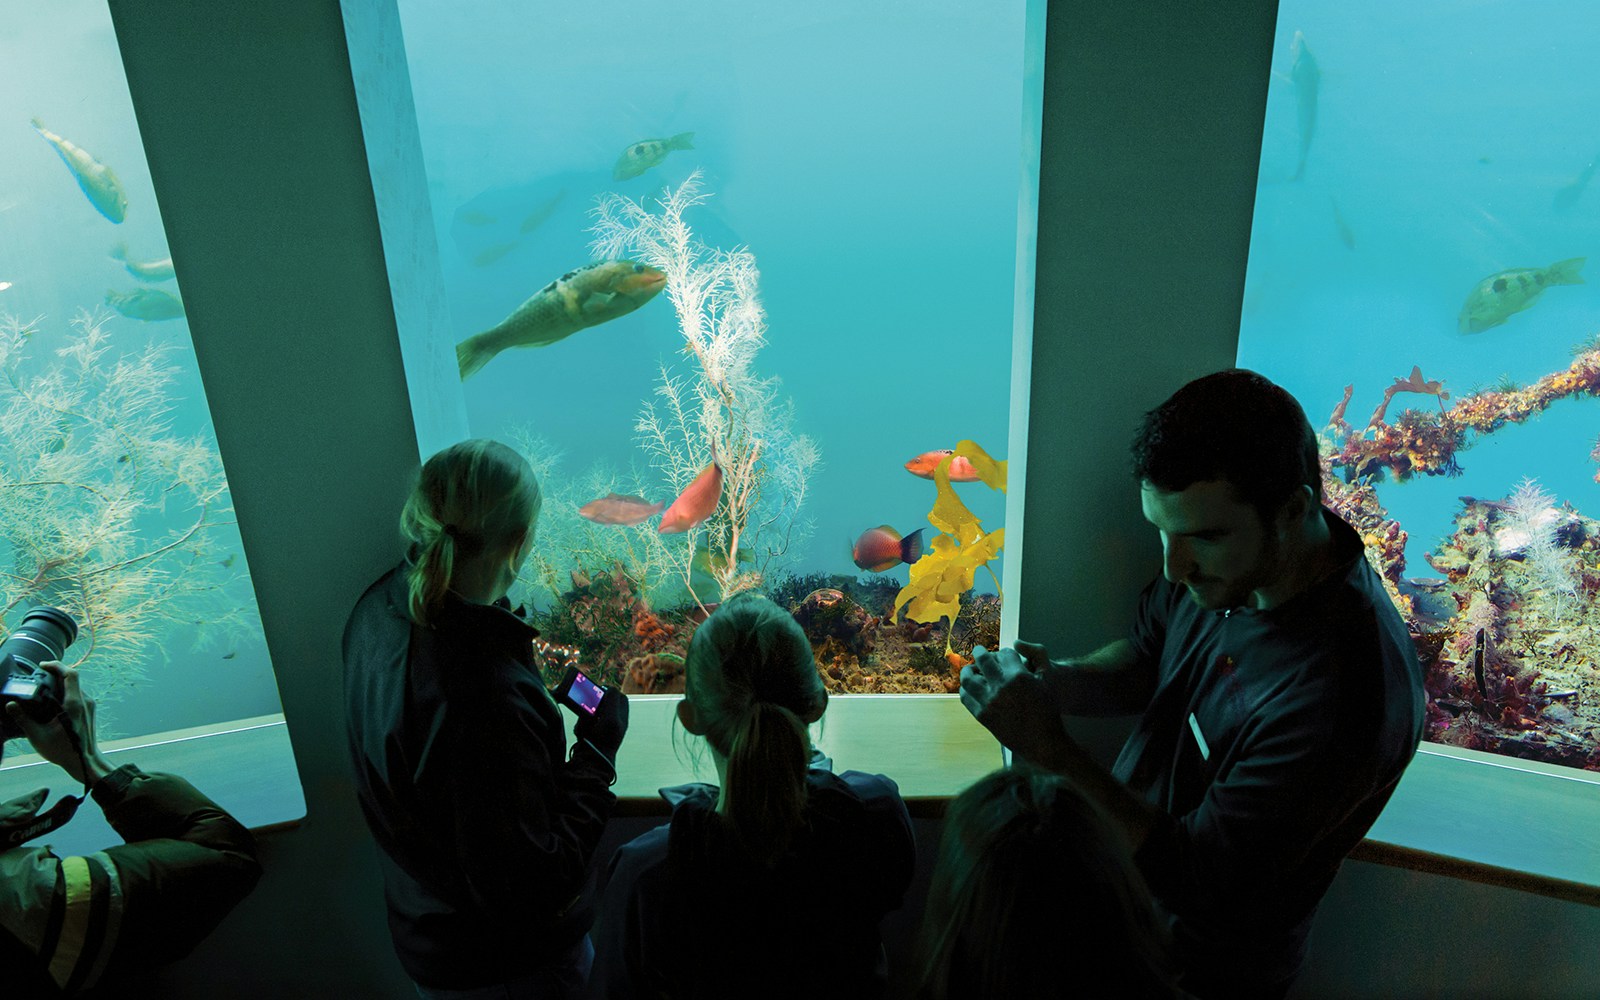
(1416, 278)
(113, 503)
(736, 286)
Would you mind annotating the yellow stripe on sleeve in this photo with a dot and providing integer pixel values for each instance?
(75, 922)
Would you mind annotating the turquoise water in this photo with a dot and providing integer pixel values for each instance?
(878, 197)
(1444, 134)
(90, 472)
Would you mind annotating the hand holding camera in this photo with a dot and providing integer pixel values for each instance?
(605, 724)
(65, 737)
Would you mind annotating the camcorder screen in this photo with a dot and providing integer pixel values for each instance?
(580, 693)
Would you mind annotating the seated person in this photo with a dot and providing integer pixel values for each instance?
(1035, 895)
(68, 924)
(772, 885)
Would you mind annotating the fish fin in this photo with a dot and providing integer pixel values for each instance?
(597, 302)
(893, 533)
(683, 140)
(911, 547)
(1566, 272)
(471, 355)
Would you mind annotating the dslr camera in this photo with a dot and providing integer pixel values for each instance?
(45, 633)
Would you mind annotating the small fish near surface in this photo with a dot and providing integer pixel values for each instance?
(647, 153)
(1500, 295)
(695, 503)
(95, 178)
(150, 270)
(148, 304)
(881, 548)
(1307, 79)
(961, 470)
(589, 296)
(615, 508)
(1570, 193)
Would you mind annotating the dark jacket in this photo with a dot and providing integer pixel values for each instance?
(485, 829)
(69, 924)
(687, 914)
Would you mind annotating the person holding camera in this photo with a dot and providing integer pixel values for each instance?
(70, 924)
(485, 825)
(1280, 692)
(772, 885)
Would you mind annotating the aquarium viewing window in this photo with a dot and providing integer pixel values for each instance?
(737, 287)
(1417, 280)
(113, 502)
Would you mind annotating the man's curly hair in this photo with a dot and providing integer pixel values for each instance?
(1236, 426)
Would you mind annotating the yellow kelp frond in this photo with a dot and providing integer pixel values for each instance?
(947, 569)
(991, 472)
(946, 572)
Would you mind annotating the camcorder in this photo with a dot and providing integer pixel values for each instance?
(579, 693)
(45, 634)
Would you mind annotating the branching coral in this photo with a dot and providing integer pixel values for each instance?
(1425, 442)
(104, 509)
(719, 409)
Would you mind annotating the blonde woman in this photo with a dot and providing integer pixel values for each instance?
(486, 827)
(773, 884)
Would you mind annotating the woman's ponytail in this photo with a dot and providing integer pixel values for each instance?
(472, 497)
(764, 789)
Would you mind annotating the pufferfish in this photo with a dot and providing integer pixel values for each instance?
(647, 153)
(589, 296)
(1500, 295)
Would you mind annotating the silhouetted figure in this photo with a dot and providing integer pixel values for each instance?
(72, 924)
(1035, 896)
(772, 885)
(1281, 694)
(486, 827)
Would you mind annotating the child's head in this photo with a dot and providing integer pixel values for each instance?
(1031, 880)
(475, 505)
(751, 690)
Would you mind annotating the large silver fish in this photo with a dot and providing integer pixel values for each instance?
(148, 304)
(589, 296)
(1500, 295)
(1307, 79)
(94, 177)
(148, 270)
(647, 153)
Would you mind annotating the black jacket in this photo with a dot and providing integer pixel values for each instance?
(69, 924)
(486, 830)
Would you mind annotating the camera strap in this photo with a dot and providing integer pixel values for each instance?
(35, 824)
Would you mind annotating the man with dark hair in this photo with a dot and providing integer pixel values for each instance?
(1281, 695)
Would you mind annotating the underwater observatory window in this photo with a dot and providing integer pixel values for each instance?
(769, 262)
(113, 502)
(1417, 279)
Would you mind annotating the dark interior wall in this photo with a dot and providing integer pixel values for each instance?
(1153, 113)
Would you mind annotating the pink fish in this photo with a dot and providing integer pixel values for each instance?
(961, 470)
(694, 504)
(614, 508)
(882, 548)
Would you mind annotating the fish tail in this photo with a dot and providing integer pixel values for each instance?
(683, 140)
(472, 354)
(119, 252)
(38, 126)
(1566, 272)
(911, 547)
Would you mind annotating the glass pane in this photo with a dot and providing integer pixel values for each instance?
(778, 251)
(113, 502)
(1416, 278)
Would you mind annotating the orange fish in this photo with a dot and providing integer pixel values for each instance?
(694, 504)
(614, 508)
(961, 470)
(882, 548)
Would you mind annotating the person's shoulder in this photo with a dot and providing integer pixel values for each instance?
(636, 860)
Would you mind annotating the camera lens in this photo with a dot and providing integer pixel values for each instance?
(45, 633)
